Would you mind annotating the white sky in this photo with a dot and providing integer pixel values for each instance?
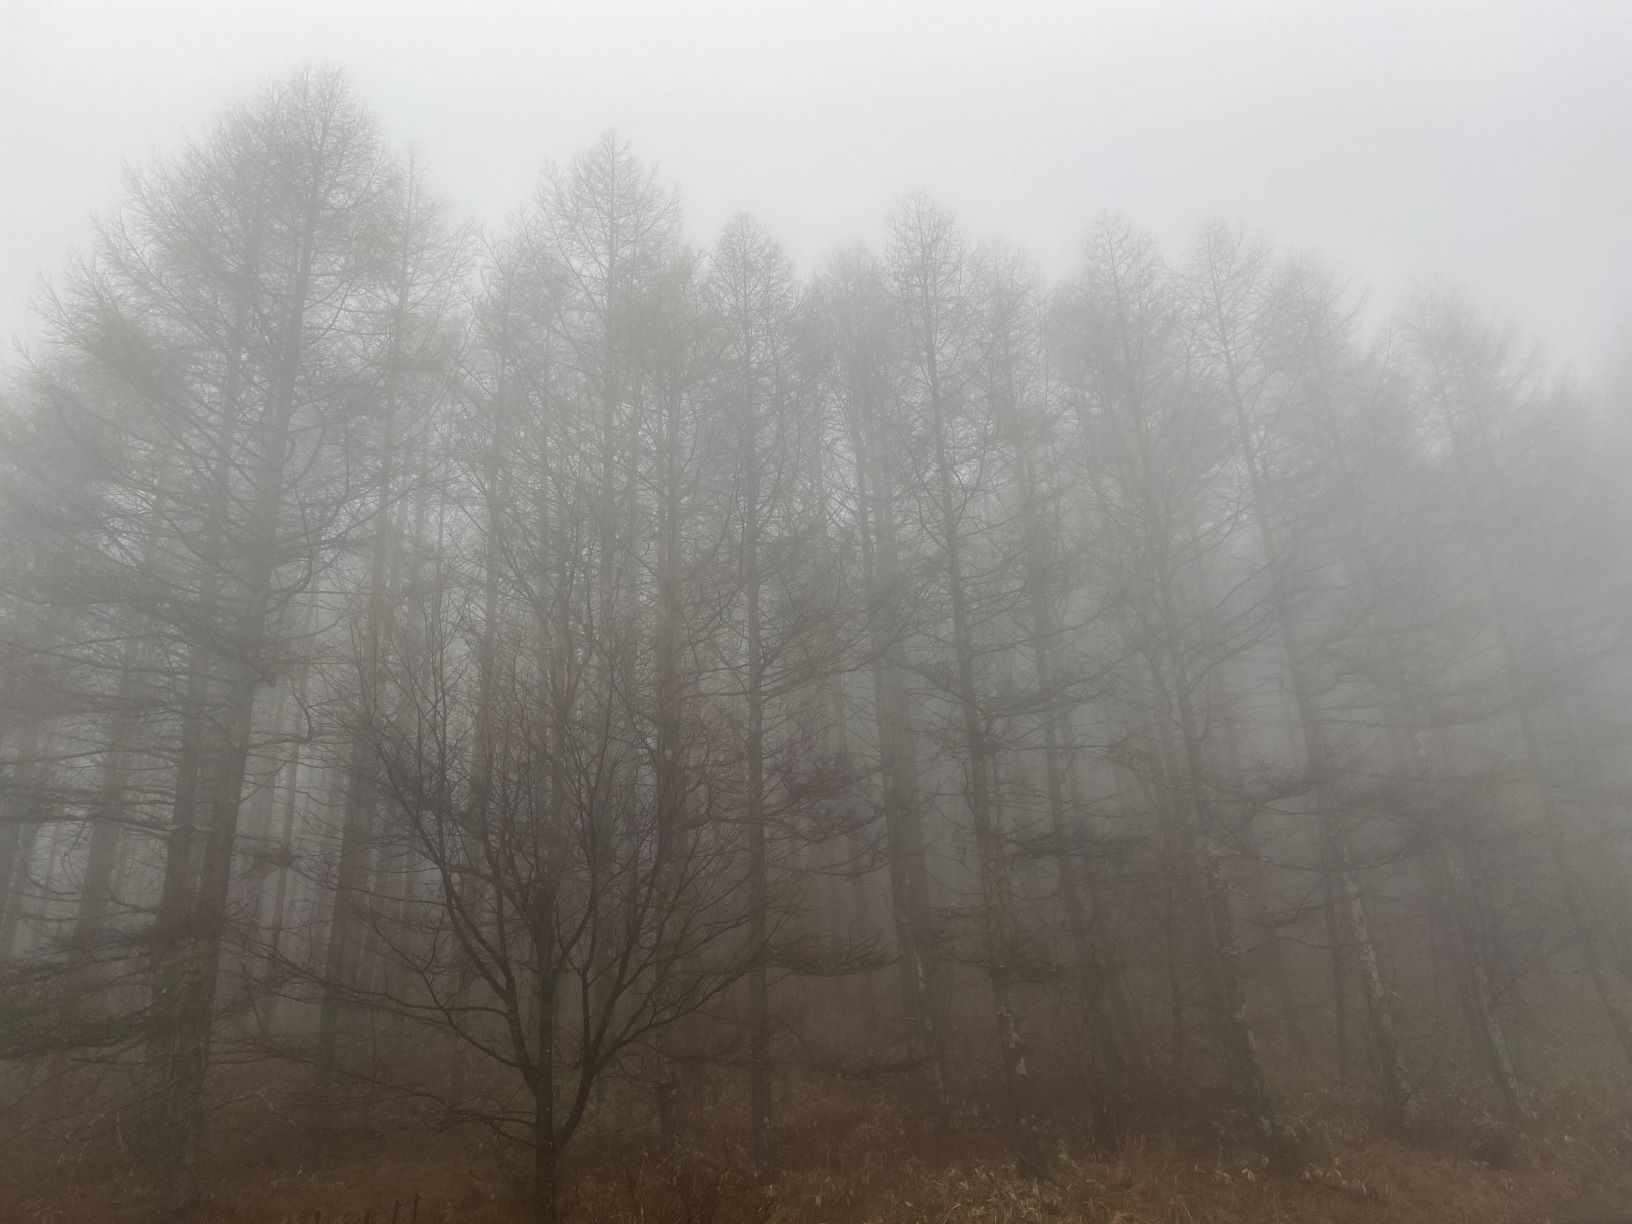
(1488, 143)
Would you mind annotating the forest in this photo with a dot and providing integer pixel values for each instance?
(567, 721)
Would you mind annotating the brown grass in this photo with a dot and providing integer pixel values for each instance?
(851, 1156)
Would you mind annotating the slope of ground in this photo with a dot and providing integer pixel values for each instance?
(849, 1156)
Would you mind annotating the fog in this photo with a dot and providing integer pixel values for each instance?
(1482, 143)
(710, 615)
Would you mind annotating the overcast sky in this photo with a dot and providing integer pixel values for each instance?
(1486, 143)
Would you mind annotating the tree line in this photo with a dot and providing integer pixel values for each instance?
(499, 676)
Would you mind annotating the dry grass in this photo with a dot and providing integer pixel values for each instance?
(851, 1156)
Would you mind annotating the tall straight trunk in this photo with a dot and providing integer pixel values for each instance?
(484, 730)
(1219, 955)
(1490, 1038)
(1184, 877)
(96, 899)
(1448, 896)
(195, 1013)
(1355, 928)
(341, 954)
(194, 995)
(11, 827)
(295, 694)
(861, 918)
(1445, 873)
(832, 712)
(922, 999)
(1123, 1021)
(759, 1014)
(1583, 927)
(1198, 854)
(107, 824)
(670, 712)
(18, 828)
(1611, 911)
(1448, 892)
(1317, 761)
(198, 747)
(288, 808)
(1090, 959)
(391, 860)
(604, 589)
(993, 852)
(1271, 948)
(1331, 899)
(546, 1140)
(178, 1034)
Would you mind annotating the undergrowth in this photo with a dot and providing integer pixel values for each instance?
(849, 1154)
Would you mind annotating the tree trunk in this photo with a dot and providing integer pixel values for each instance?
(194, 994)
(18, 829)
(922, 1000)
(759, 1015)
(1317, 761)
(1220, 954)
(993, 852)
(1090, 960)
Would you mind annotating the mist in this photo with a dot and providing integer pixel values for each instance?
(841, 613)
(1479, 144)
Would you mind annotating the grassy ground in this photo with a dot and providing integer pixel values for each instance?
(849, 1154)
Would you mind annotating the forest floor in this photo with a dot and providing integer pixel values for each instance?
(847, 1155)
